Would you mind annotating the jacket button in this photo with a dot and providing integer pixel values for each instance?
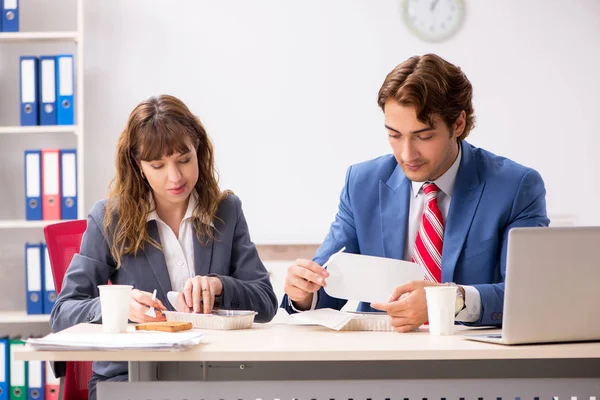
(499, 316)
(235, 304)
(495, 316)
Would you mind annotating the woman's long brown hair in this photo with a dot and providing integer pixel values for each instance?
(159, 126)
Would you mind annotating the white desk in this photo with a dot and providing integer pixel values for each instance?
(280, 360)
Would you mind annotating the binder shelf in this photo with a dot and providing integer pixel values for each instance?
(21, 317)
(38, 36)
(43, 129)
(23, 224)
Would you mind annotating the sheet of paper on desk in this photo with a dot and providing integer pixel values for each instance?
(328, 317)
(368, 278)
(141, 340)
(345, 320)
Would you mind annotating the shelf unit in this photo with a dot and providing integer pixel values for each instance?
(10, 321)
(39, 36)
(22, 224)
(26, 130)
(21, 317)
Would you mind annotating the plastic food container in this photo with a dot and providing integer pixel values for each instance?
(218, 319)
(369, 321)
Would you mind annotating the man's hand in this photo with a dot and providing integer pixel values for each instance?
(304, 278)
(409, 312)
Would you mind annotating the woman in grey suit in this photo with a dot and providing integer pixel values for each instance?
(165, 225)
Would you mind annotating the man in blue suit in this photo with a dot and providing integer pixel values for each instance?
(437, 201)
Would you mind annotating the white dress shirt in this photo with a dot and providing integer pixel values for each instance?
(445, 183)
(179, 252)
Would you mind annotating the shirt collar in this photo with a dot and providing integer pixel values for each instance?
(188, 213)
(445, 182)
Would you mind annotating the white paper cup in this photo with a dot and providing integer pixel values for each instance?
(441, 302)
(114, 301)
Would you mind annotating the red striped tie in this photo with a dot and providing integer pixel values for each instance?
(430, 239)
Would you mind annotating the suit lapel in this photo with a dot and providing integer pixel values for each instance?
(394, 208)
(202, 254)
(465, 199)
(156, 259)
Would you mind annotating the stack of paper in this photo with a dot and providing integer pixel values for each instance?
(139, 340)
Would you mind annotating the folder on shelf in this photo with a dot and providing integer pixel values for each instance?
(4, 369)
(33, 184)
(52, 383)
(47, 90)
(10, 15)
(29, 90)
(35, 380)
(50, 184)
(18, 372)
(49, 289)
(34, 275)
(65, 90)
(68, 190)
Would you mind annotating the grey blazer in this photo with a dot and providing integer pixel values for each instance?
(231, 255)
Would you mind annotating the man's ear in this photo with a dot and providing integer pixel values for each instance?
(458, 127)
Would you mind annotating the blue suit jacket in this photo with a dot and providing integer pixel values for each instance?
(491, 195)
(231, 255)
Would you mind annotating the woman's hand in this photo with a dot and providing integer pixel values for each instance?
(140, 302)
(199, 293)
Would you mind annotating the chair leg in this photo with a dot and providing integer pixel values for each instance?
(61, 390)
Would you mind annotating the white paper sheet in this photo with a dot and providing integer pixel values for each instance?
(368, 278)
(138, 340)
(348, 321)
(327, 317)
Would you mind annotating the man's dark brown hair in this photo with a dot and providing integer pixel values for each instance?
(433, 86)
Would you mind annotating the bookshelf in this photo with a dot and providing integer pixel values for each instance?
(23, 224)
(17, 321)
(44, 130)
(39, 36)
(21, 317)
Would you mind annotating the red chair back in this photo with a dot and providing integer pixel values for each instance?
(63, 241)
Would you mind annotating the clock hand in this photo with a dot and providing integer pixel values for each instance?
(433, 5)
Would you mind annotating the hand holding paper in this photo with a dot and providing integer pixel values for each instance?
(303, 279)
(390, 285)
(368, 278)
(407, 306)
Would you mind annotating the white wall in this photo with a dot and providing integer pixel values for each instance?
(288, 92)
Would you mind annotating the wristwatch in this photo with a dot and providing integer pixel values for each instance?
(460, 299)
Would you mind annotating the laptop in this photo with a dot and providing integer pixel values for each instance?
(551, 287)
